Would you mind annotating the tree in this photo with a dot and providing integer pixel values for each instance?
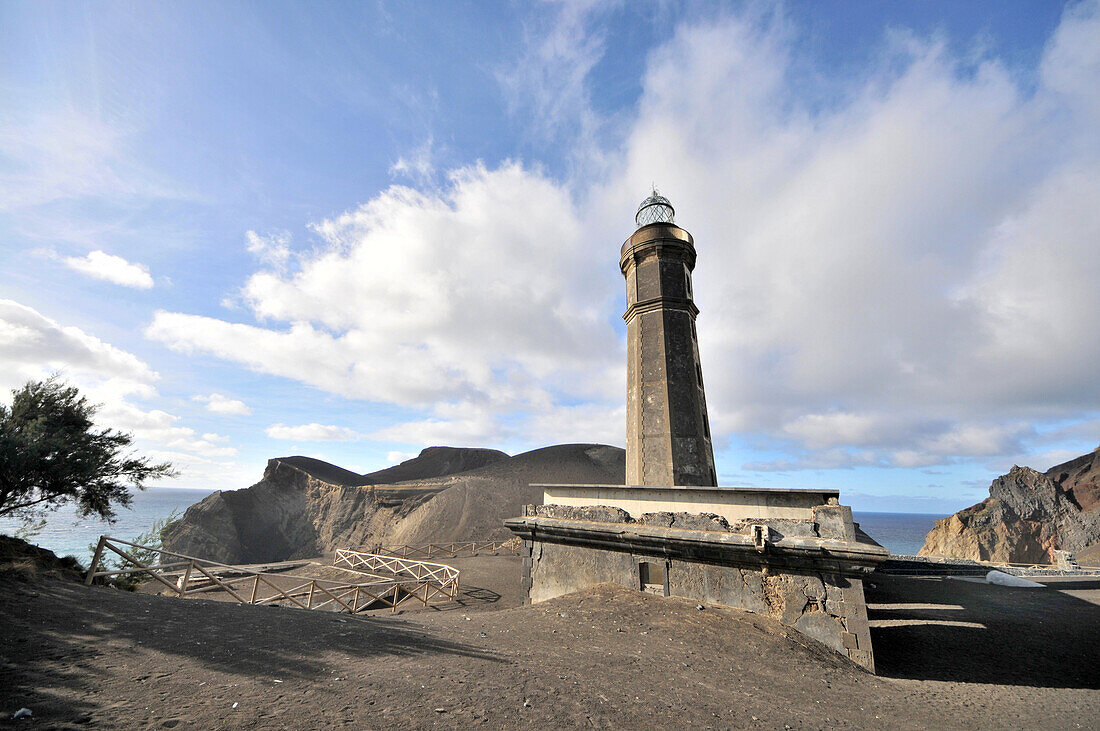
(51, 454)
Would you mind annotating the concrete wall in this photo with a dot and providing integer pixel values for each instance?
(733, 504)
(827, 607)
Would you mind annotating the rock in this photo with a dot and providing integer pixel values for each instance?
(780, 528)
(305, 507)
(1027, 517)
(22, 561)
(685, 521)
(591, 514)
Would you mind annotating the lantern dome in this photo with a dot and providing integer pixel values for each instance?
(655, 209)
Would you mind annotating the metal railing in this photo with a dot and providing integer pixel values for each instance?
(195, 575)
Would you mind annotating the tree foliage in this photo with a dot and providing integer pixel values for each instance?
(51, 454)
(152, 540)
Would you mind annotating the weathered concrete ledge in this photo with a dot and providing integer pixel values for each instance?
(707, 546)
(795, 555)
(732, 503)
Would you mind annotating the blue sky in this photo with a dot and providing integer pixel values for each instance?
(353, 230)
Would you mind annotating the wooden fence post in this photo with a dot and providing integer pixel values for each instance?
(186, 578)
(95, 560)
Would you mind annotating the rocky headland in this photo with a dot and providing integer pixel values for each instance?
(1027, 517)
(306, 507)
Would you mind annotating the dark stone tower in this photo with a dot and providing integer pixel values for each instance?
(667, 430)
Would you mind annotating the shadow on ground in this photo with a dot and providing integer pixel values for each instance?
(56, 634)
(953, 630)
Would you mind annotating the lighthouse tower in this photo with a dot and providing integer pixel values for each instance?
(668, 439)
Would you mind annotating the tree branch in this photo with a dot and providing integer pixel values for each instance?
(20, 506)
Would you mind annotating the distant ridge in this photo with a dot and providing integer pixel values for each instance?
(431, 462)
(1027, 517)
(306, 507)
(435, 462)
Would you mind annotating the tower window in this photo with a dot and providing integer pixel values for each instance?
(699, 373)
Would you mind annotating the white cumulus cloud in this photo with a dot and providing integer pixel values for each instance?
(220, 404)
(896, 267)
(111, 268)
(894, 278)
(311, 433)
(272, 250)
(33, 346)
(475, 302)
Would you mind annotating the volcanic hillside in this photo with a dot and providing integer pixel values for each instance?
(306, 507)
(1027, 517)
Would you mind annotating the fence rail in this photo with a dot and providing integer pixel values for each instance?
(249, 586)
(450, 550)
(437, 579)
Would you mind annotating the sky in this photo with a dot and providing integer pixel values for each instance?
(354, 230)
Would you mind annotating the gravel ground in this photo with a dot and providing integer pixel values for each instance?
(950, 653)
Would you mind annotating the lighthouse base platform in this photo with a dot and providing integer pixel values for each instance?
(794, 555)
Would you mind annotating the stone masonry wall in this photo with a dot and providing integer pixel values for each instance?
(826, 607)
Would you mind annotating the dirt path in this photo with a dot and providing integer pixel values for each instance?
(605, 658)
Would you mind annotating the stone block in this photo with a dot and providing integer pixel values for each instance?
(686, 521)
(559, 569)
(793, 609)
(863, 658)
(823, 628)
(780, 528)
(723, 585)
(849, 640)
(835, 521)
(856, 622)
(594, 514)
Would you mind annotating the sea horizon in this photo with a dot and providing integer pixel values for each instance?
(67, 534)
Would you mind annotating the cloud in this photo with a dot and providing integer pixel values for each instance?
(32, 346)
(219, 404)
(394, 458)
(547, 89)
(417, 166)
(897, 266)
(61, 154)
(311, 433)
(161, 428)
(272, 250)
(479, 296)
(899, 275)
(455, 425)
(110, 268)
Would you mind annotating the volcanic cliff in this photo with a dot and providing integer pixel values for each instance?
(1027, 516)
(305, 507)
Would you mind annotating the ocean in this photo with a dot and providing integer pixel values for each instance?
(901, 533)
(66, 534)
